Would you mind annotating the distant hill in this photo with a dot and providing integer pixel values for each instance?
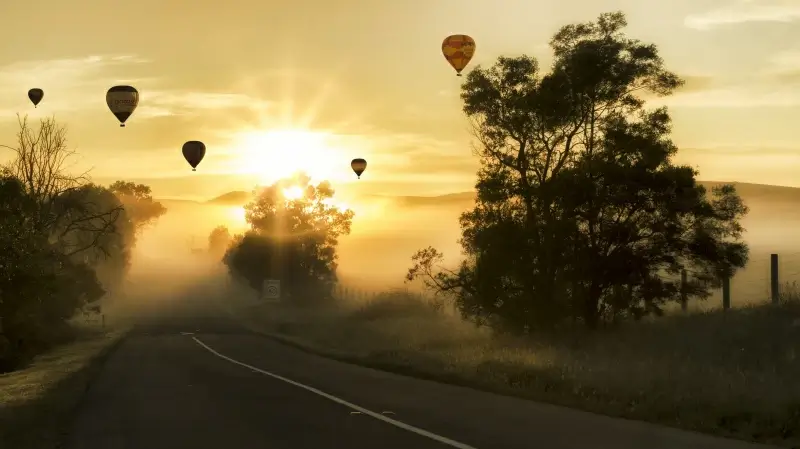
(751, 193)
(439, 200)
(761, 192)
(235, 198)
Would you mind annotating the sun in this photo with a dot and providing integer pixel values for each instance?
(277, 154)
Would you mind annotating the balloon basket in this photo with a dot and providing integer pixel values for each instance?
(121, 125)
(194, 169)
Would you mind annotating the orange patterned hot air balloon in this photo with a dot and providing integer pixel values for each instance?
(458, 50)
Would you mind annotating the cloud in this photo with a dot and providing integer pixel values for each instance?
(78, 84)
(696, 83)
(782, 67)
(773, 86)
(746, 11)
(170, 103)
(734, 97)
(739, 149)
(60, 72)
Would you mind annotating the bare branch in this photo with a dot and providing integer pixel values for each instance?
(66, 210)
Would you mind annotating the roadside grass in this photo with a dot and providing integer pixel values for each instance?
(37, 402)
(733, 373)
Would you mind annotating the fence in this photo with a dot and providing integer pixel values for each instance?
(347, 291)
(760, 281)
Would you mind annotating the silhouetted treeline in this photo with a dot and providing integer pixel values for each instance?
(64, 242)
(579, 211)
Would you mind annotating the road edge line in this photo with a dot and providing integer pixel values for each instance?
(330, 397)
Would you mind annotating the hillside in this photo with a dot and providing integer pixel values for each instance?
(235, 198)
(751, 193)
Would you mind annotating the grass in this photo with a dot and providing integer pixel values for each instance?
(36, 402)
(731, 373)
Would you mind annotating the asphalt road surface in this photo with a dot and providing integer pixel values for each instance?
(189, 377)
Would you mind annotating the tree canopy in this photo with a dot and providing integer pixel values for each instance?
(580, 212)
(64, 241)
(218, 241)
(138, 202)
(291, 237)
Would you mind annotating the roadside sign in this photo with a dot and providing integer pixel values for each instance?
(271, 290)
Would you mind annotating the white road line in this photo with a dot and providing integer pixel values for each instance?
(333, 398)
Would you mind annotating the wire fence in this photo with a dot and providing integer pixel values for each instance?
(761, 281)
(349, 291)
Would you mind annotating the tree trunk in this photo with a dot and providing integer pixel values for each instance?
(591, 314)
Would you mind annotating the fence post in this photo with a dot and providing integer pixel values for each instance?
(773, 278)
(684, 301)
(726, 293)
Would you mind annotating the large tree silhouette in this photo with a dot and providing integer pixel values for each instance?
(291, 239)
(580, 212)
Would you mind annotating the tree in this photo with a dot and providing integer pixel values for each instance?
(291, 239)
(218, 241)
(56, 230)
(110, 257)
(139, 203)
(580, 212)
(40, 287)
(41, 167)
(140, 211)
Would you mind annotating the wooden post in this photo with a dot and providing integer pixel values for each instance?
(773, 278)
(726, 293)
(684, 296)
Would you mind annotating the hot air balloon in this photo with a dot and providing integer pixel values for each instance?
(122, 100)
(193, 152)
(358, 166)
(35, 95)
(458, 49)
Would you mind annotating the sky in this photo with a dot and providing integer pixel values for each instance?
(275, 86)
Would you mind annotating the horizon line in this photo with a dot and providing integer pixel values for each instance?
(197, 199)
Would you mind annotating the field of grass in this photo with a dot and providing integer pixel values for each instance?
(731, 373)
(36, 402)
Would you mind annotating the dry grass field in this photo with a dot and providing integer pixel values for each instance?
(730, 373)
(37, 402)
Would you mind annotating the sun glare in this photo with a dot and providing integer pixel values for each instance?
(293, 193)
(236, 217)
(272, 155)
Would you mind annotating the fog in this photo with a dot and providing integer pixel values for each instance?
(387, 231)
(375, 254)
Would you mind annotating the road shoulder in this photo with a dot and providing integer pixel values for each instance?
(39, 401)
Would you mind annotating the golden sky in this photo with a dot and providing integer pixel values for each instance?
(369, 78)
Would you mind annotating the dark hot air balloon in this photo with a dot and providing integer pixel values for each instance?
(122, 100)
(35, 95)
(458, 49)
(193, 152)
(358, 166)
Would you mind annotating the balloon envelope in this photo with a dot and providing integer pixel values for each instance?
(458, 49)
(35, 95)
(122, 101)
(193, 152)
(358, 166)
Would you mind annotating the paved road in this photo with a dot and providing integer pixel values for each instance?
(222, 387)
